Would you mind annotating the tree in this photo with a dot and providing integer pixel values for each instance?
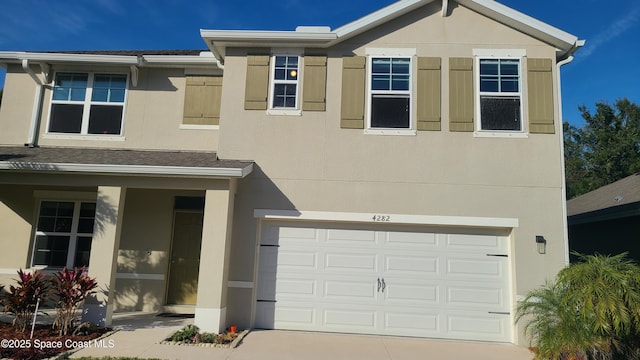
(605, 150)
(591, 311)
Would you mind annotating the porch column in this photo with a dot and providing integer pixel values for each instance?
(211, 304)
(103, 261)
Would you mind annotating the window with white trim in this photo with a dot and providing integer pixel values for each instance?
(64, 234)
(390, 93)
(500, 95)
(284, 82)
(87, 103)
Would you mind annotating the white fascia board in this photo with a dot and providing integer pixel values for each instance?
(434, 220)
(266, 36)
(181, 61)
(524, 23)
(379, 17)
(70, 58)
(131, 169)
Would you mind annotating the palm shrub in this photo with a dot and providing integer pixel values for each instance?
(71, 288)
(21, 300)
(591, 311)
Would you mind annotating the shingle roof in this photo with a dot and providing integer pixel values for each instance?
(622, 192)
(24, 158)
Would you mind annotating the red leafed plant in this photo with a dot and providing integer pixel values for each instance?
(72, 287)
(21, 300)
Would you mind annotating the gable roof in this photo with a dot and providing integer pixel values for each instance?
(620, 196)
(323, 37)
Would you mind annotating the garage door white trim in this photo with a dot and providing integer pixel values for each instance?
(467, 221)
(305, 253)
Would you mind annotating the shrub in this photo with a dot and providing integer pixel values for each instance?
(71, 288)
(591, 310)
(187, 333)
(21, 300)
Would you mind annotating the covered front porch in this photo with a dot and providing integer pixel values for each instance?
(153, 227)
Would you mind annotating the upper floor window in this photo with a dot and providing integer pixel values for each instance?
(88, 103)
(390, 93)
(500, 94)
(284, 84)
(64, 233)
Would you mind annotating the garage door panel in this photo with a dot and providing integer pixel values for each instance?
(469, 325)
(407, 239)
(351, 262)
(471, 296)
(423, 266)
(475, 243)
(411, 324)
(351, 237)
(339, 318)
(350, 291)
(487, 267)
(303, 260)
(411, 294)
(296, 287)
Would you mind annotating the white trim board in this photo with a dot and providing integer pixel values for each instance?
(384, 218)
(137, 276)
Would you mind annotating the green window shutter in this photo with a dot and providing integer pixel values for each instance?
(257, 82)
(202, 100)
(429, 93)
(353, 90)
(315, 83)
(540, 95)
(461, 94)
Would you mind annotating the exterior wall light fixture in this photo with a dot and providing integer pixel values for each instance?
(542, 244)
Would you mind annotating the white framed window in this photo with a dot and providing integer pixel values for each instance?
(499, 92)
(390, 95)
(63, 233)
(285, 84)
(87, 103)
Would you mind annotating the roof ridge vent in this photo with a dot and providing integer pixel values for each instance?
(313, 29)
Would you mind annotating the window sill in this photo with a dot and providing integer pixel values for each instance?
(501, 134)
(401, 132)
(292, 112)
(84, 137)
(198, 127)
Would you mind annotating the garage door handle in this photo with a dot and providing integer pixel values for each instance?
(379, 284)
(384, 285)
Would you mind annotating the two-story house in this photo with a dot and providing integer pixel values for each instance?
(399, 175)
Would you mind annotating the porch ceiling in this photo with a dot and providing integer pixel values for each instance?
(121, 162)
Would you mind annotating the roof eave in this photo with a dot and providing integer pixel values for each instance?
(565, 43)
(377, 18)
(138, 170)
(219, 40)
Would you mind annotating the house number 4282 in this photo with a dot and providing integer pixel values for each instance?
(381, 218)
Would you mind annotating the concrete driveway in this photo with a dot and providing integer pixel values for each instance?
(139, 337)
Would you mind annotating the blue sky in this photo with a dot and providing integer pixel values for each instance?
(607, 68)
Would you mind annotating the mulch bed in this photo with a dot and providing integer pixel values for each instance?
(45, 343)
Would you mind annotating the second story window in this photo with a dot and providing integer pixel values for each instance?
(390, 92)
(88, 103)
(284, 88)
(500, 95)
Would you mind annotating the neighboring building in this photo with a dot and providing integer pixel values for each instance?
(607, 220)
(391, 176)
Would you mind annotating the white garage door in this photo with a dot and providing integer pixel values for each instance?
(403, 281)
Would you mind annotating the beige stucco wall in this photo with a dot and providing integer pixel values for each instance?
(309, 163)
(153, 113)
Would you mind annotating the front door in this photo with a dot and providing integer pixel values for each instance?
(184, 263)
